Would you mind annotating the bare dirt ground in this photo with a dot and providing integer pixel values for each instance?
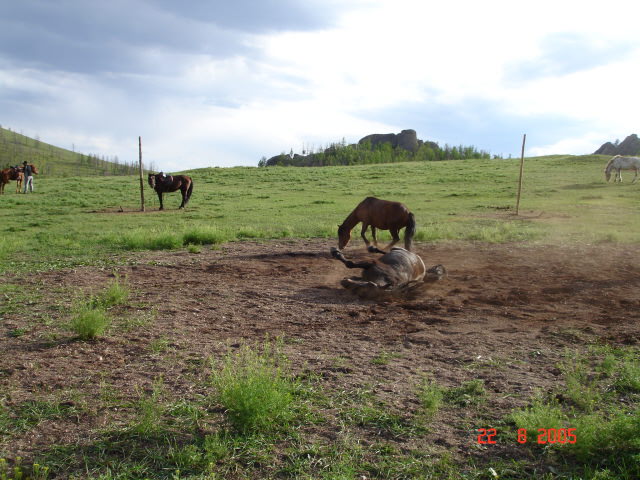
(504, 314)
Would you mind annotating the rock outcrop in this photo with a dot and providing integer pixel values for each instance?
(406, 139)
(629, 146)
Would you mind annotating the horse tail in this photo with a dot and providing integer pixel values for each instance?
(410, 231)
(189, 191)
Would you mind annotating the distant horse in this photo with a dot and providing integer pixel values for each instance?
(171, 184)
(382, 214)
(398, 270)
(618, 163)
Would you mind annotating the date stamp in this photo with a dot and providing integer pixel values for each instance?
(544, 436)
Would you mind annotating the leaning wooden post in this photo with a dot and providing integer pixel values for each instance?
(141, 180)
(524, 139)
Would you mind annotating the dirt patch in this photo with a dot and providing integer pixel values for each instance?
(503, 313)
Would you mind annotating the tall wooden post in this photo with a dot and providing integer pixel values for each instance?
(141, 173)
(524, 139)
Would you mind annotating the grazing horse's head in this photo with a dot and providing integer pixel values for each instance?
(609, 167)
(344, 235)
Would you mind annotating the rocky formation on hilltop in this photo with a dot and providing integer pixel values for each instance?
(629, 146)
(407, 139)
(377, 148)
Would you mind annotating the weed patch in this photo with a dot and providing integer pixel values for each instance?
(255, 388)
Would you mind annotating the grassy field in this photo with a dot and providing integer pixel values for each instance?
(250, 413)
(76, 220)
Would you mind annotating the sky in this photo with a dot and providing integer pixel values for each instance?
(223, 83)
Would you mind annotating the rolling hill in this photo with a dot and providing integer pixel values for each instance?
(15, 148)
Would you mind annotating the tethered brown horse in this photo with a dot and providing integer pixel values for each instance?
(14, 173)
(382, 214)
(171, 184)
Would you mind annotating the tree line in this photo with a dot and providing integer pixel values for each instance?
(363, 154)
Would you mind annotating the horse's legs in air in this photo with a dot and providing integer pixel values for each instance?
(337, 254)
(396, 239)
(363, 232)
(160, 197)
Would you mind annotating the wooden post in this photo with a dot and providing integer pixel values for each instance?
(524, 139)
(141, 173)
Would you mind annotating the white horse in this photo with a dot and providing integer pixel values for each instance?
(618, 163)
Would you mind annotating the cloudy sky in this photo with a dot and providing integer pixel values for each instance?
(222, 83)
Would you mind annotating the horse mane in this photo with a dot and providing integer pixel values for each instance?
(608, 167)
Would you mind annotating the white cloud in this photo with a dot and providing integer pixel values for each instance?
(477, 65)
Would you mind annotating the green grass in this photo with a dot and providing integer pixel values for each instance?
(471, 392)
(599, 399)
(253, 418)
(115, 293)
(75, 221)
(90, 317)
(255, 389)
(88, 323)
(430, 396)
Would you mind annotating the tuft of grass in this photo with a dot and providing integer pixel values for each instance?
(147, 240)
(379, 418)
(384, 357)
(469, 393)
(159, 345)
(254, 388)
(194, 248)
(203, 236)
(581, 387)
(539, 415)
(116, 293)
(22, 472)
(430, 396)
(149, 411)
(612, 440)
(89, 323)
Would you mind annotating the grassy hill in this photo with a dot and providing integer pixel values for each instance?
(55, 161)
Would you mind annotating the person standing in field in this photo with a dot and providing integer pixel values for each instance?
(28, 176)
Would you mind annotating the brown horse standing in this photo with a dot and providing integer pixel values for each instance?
(13, 173)
(171, 184)
(382, 214)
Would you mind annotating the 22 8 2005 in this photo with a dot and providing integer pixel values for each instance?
(545, 436)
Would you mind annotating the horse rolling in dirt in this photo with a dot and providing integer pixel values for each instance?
(618, 163)
(171, 183)
(397, 270)
(382, 214)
